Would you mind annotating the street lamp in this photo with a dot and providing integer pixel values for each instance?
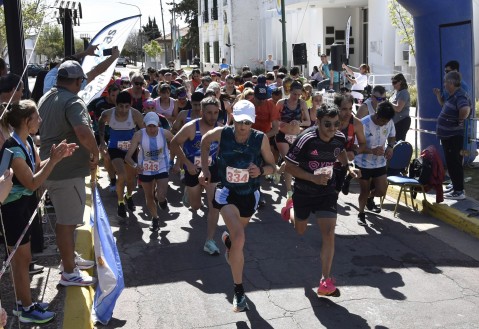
(143, 59)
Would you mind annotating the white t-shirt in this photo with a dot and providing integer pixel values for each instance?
(361, 81)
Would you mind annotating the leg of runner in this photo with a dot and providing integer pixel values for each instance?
(283, 150)
(21, 278)
(119, 165)
(149, 190)
(194, 196)
(212, 222)
(326, 285)
(161, 190)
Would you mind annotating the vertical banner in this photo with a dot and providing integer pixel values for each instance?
(114, 34)
(348, 32)
(109, 269)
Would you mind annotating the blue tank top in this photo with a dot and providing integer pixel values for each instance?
(192, 148)
(121, 132)
(288, 115)
(239, 155)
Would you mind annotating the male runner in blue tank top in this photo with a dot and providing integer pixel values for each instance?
(243, 156)
(122, 120)
(310, 160)
(186, 146)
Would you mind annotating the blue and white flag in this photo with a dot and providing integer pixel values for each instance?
(114, 34)
(109, 270)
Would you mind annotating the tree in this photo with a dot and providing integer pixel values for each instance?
(153, 49)
(33, 12)
(132, 47)
(151, 29)
(188, 9)
(402, 20)
(50, 42)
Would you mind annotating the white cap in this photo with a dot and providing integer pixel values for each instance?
(151, 118)
(244, 110)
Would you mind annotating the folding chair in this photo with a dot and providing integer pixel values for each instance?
(397, 169)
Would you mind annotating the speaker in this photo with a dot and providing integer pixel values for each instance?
(300, 55)
(338, 56)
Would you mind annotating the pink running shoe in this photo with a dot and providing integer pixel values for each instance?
(285, 211)
(327, 288)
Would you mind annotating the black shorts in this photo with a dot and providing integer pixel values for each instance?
(367, 173)
(16, 215)
(150, 178)
(323, 206)
(246, 204)
(192, 180)
(281, 138)
(120, 154)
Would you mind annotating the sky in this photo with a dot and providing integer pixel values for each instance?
(99, 13)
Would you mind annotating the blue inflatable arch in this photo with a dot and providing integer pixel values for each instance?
(443, 32)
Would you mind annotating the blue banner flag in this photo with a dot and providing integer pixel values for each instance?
(109, 270)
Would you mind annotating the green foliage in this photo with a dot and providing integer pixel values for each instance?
(50, 42)
(32, 14)
(151, 29)
(132, 47)
(152, 49)
(188, 9)
(413, 95)
(402, 20)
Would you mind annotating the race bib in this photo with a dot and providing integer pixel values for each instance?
(235, 175)
(123, 145)
(197, 161)
(324, 171)
(151, 165)
(290, 138)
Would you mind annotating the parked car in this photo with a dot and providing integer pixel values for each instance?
(34, 69)
(121, 61)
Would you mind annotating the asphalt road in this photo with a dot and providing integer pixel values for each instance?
(406, 272)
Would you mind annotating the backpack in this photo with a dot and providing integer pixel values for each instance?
(421, 170)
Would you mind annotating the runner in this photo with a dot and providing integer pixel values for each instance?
(242, 152)
(122, 120)
(186, 145)
(310, 160)
(186, 116)
(153, 164)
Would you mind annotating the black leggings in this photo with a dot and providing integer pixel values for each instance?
(452, 153)
(402, 127)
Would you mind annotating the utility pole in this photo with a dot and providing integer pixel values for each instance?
(283, 28)
(68, 16)
(163, 23)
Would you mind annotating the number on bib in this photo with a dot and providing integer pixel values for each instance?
(325, 170)
(197, 161)
(123, 145)
(236, 176)
(150, 165)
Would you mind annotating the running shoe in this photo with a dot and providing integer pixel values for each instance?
(327, 288)
(112, 187)
(455, 195)
(362, 219)
(372, 206)
(163, 205)
(448, 188)
(240, 304)
(83, 264)
(77, 278)
(36, 314)
(285, 211)
(155, 225)
(18, 308)
(130, 203)
(35, 269)
(225, 237)
(211, 248)
(122, 210)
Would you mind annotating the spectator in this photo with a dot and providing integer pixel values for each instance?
(223, 64)
(65, 117)
(315, 77)
(269, 63)
(450, 130)
(451, 66)
(401, 101)
(359, 81)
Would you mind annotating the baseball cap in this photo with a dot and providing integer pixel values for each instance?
(151, 118)
(149, 102)
(261, 92)
(71, 70)
(244, 110)
(261, 80)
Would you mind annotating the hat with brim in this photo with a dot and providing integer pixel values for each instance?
(244, 110)
(71, 70)
(151, 118)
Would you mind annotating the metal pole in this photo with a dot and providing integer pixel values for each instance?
(143, 58)
(283, 28)
(163, 23)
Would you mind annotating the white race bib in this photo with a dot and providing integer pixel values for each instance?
(123, 145)
(235, 175)
(197, 161)
(290, 138)
(325, 171)
(150, 165)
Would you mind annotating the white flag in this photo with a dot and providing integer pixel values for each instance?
(348, 32)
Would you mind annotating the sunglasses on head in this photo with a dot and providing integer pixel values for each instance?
(244, 122)
(379, 99)
(329, 124)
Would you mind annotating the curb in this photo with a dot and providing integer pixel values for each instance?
(441, 211)
(79, 300)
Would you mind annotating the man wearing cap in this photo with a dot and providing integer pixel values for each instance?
(153, 163)
(123, 120)
(186, 146)
(65, 117)
(243, 156)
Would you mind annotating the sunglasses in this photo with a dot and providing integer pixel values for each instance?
(394, 82)
(379, 99)
(138, 83)
(329, 124)
(447, 71)
(244, 122)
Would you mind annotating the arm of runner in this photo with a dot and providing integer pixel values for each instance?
(296, 171)
(270, 167)
(208, 138)
(104, 118)
(135, 142)
(305, 119)
(388, 153)
(362, 111)
(180, 119)
(138, 118)
(343, 159)
(178, 140)
(359, 132)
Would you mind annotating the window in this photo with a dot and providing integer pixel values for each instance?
(205, 12)
(214, 11)
(206, 50)
(216, 51)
